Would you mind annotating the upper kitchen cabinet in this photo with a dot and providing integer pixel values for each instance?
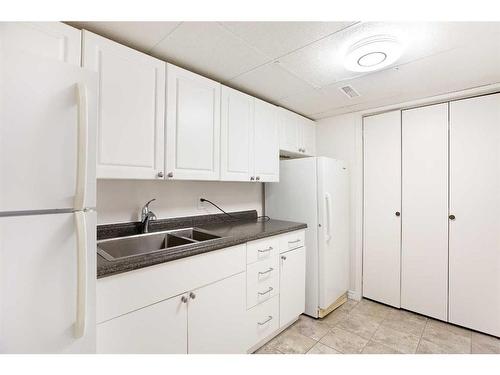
(131, 104)
(237, 147)
(288, 130)
(307, 136)
(193, 126)
(297, 134)
(266, 142)
(47, 39)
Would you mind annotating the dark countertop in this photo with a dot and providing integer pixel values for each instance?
(232, 232)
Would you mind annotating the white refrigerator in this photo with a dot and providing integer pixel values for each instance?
(316, 191)
(47, 199)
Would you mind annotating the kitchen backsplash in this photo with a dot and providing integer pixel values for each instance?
(121, 200)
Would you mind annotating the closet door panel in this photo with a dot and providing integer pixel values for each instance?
(474, 295)
(382, 199)
(424, 242)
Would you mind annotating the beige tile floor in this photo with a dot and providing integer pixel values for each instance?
(372, 328)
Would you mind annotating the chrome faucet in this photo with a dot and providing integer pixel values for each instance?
(146, 216)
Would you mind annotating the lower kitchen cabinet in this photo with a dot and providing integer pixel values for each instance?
(227, 301)
(158, 328)
(216, 317)
(292, 285)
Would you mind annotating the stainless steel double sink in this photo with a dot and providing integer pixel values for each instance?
(140, 244)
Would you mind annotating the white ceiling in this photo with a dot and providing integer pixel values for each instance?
(299, 65)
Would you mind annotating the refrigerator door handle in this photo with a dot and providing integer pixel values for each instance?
(328, 211)
(82, 148)
(81, 288)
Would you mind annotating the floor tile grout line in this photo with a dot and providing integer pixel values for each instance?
(421, 335)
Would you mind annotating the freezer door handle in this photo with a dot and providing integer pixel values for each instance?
(81, 286)
(82, 148)
(328, 214)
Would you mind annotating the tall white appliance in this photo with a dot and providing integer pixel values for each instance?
(316, 191)
(47, 196)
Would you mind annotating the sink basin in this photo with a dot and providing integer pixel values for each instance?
(124, 247)
(195, 234)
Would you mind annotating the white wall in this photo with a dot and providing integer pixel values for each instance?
(122, 200)
(340, 137)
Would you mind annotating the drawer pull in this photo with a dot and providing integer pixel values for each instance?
(269, 318)
(297, 240)
(264, 272)
(267, 291)
(265, 250)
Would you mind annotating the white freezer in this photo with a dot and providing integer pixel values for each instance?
(316, 191)
(47, 133)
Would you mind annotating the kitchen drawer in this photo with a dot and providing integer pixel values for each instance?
(262, 281)
(125, 292)
(263, 320)
(292, 240)
(264, 249)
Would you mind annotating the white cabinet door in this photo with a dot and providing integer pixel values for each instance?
(308, 136)
(382, 207)
(131, 106)
(193, 126)
(288, 131)
(424, 249)
(292, 285)
(216, 317)
(474, 296)
(160, 328)
(47, 39)
(266, 142)
(237, 149)
(39, 132)
(38, 284)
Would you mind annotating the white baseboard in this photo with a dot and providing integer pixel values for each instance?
(354, 294)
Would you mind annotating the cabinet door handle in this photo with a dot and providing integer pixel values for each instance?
(257, 178)
(283, 257)
(160, 174)
(297, 240)
(184, 299)
(252, 178)
(264, 272)
(170, 174)
(192, 295)
(267, 291)
(451, 217)
(269, 318)
(398, 213)
(265, 250)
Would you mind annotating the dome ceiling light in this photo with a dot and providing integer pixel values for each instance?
(372, 53)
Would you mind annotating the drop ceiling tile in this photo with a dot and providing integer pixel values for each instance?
(308, 102)
(209, 49)
(270, 82)
(139, 35)
(321, 63)
(454, 70)
(276, 39)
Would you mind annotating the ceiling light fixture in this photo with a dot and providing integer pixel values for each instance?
(373, 53)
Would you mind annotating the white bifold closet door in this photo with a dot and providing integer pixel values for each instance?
(382, 208)
(474, 295)
(424, 234)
